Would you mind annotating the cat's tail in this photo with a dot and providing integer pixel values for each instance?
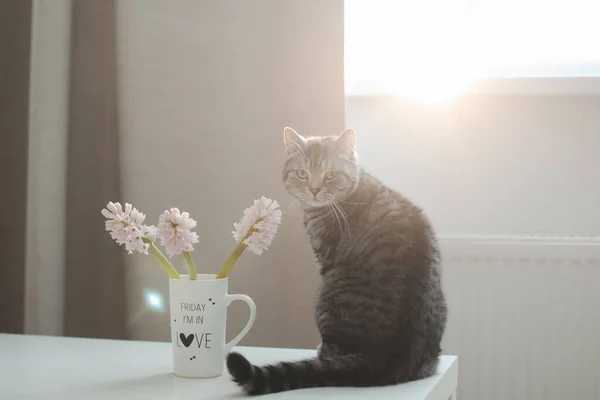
(347, 370)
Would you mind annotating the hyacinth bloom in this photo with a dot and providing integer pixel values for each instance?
(255, 231)
(126, 228)
(174, 230)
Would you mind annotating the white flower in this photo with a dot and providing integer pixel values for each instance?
(134, 242)
(149, 232)
(174, 231)
(259, 225)
(126, 227)
(117, 218)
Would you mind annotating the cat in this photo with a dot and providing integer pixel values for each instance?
(381, 310)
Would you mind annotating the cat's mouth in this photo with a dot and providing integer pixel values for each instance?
(320, 199)
(316, 203)
(311, 201)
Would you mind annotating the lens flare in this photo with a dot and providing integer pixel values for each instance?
(154, 300)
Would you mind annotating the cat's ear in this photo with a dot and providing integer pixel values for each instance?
(346, 141)
(293, 141)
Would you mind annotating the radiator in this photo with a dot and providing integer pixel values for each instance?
(524, 316)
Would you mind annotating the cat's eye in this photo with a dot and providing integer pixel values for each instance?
(302, 173)
(331, 175)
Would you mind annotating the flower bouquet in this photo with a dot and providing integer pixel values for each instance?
(198, 302)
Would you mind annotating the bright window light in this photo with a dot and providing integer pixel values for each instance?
(430, 50)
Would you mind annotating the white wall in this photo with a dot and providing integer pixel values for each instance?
(206, 90)
(492, 165)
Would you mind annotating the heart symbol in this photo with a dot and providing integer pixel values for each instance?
(213, 303)
(209, 299)
(186, 340)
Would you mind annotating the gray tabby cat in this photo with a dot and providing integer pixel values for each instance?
(381, 311)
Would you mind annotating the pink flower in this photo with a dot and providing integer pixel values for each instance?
(126, 227)
(259, 225)
(174, 232)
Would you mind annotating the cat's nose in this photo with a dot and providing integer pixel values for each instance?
(315, 190)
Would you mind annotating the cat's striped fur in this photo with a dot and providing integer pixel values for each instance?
(381, 310)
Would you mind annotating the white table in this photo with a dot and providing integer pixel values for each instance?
(49, 368)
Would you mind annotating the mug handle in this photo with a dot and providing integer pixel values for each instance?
(230, 298)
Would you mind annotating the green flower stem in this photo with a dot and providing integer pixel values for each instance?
(237, 252)
(190, 265)
(162, 260)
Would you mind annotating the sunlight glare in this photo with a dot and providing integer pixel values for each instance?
(431, 51)
(390, 50)
(427, 86)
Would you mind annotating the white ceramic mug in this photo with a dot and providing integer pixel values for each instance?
(198, 313)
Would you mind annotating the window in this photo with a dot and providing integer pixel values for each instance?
(432, 48)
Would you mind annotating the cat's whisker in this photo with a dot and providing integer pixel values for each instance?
(331, 215)
(347, 202)
(341, 212)
(336, 215)
(344, 215)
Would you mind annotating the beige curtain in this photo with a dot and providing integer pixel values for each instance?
(60, 273)
(94, 303)
(15, 20)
